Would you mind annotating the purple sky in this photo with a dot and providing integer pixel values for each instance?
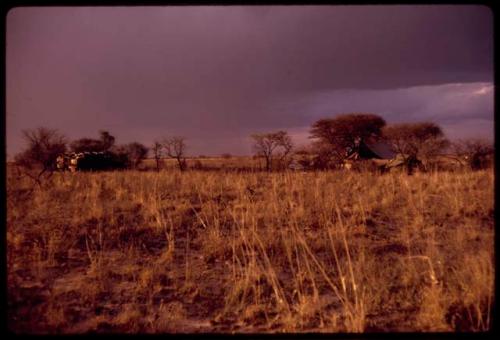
(216, 74)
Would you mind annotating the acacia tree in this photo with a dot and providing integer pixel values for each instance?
(335, 136)
(478, 152)
(156, 149)
(326, 155)
(175, 147)
(107, 140)
(136, 153)
(43, 147)
(415, 141)
(304, 156)
(105, 143)
(272, 146)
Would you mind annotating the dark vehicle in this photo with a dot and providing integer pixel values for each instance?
(91, 161)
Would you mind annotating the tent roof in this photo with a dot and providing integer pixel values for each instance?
(381, 149)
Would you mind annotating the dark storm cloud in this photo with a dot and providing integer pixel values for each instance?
(219, 73)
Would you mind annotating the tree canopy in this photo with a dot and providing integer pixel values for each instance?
(419, 140)
(39, 157)
(272, 146)
(136, 153)
(347, 129)
(105, 143)
(478, 152)
(175, 147)
(415, 142)
(334, 137)
(43, 147)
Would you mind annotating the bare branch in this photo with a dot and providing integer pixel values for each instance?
(175, 147)
(267, 145)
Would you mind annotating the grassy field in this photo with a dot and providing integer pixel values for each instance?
(234, 163)
(214, 251)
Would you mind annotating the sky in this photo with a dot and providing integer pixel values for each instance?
(217, 74)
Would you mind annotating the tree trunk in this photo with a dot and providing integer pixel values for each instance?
(182, 164)
(268, 163)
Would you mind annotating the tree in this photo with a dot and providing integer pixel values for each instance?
(304, 156)
(86, 145)
(175, 147)
(415, 141)
(273, 146)
(43, 147)
(107, 140)
(120, 157)
(335, 136)
(477, 152)
(326, 155)
(156, 149)
(136, 152)
(105, 143)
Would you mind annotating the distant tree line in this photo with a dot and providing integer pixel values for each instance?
(44, 145)
(333, 140)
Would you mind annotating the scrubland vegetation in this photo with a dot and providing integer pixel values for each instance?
(215, 251)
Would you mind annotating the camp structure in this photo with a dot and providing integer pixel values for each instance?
(380, 153)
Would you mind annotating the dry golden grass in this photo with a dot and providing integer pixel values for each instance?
(225, 252)
(208, 163)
